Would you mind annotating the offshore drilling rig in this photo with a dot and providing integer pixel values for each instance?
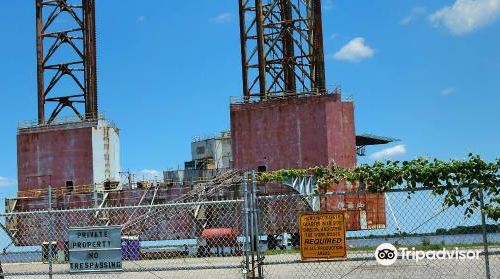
(285, 118)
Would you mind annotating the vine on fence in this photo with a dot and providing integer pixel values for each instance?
(462, 183)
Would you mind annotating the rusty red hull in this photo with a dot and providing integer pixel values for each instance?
(293, 133)
(75, 153)
(148, 223)
(301, 133)
(54, 157)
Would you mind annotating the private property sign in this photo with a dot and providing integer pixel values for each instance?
(95, 249)
(322, 235)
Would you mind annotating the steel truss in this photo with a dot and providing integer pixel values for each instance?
(79, 63)
(281, 48)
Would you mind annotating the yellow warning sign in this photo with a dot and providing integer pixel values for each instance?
(322, 235)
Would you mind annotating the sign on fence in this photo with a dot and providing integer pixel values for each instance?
(95, 249)
(322, 235)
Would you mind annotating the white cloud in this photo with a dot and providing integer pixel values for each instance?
(448, 90)
(141, 19)
(354, 51)
(389, 152)
(414, 14)
(222, 18)
(6, 182)
(151, 174)
(333, 36)
(465, 16)
(327, 5)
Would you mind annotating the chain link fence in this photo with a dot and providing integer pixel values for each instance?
(188, 240)
(415, 221)
(256, 235)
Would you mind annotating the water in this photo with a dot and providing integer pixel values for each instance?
(435, 239)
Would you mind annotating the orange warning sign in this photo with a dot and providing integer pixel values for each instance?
(322, 235)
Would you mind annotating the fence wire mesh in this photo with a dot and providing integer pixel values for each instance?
(415, 221)
(189, 240)
(255, 236)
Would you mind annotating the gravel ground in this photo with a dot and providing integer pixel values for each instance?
(278, 266)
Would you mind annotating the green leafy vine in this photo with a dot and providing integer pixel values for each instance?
(462, 183)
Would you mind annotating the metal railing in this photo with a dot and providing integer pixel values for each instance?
(235, 100)
(62, 123)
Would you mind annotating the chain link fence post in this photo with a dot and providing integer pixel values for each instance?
(252, 232)
(485, 238)
(255, 209)
(245, 224)
(50, 227)
(1, 269)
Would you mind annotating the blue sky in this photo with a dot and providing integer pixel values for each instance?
(426, 72)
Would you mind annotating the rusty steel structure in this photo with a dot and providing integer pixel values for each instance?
(66, 48)
(281, 48)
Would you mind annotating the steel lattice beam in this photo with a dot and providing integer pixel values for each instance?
(281, 48)
(78, 64)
